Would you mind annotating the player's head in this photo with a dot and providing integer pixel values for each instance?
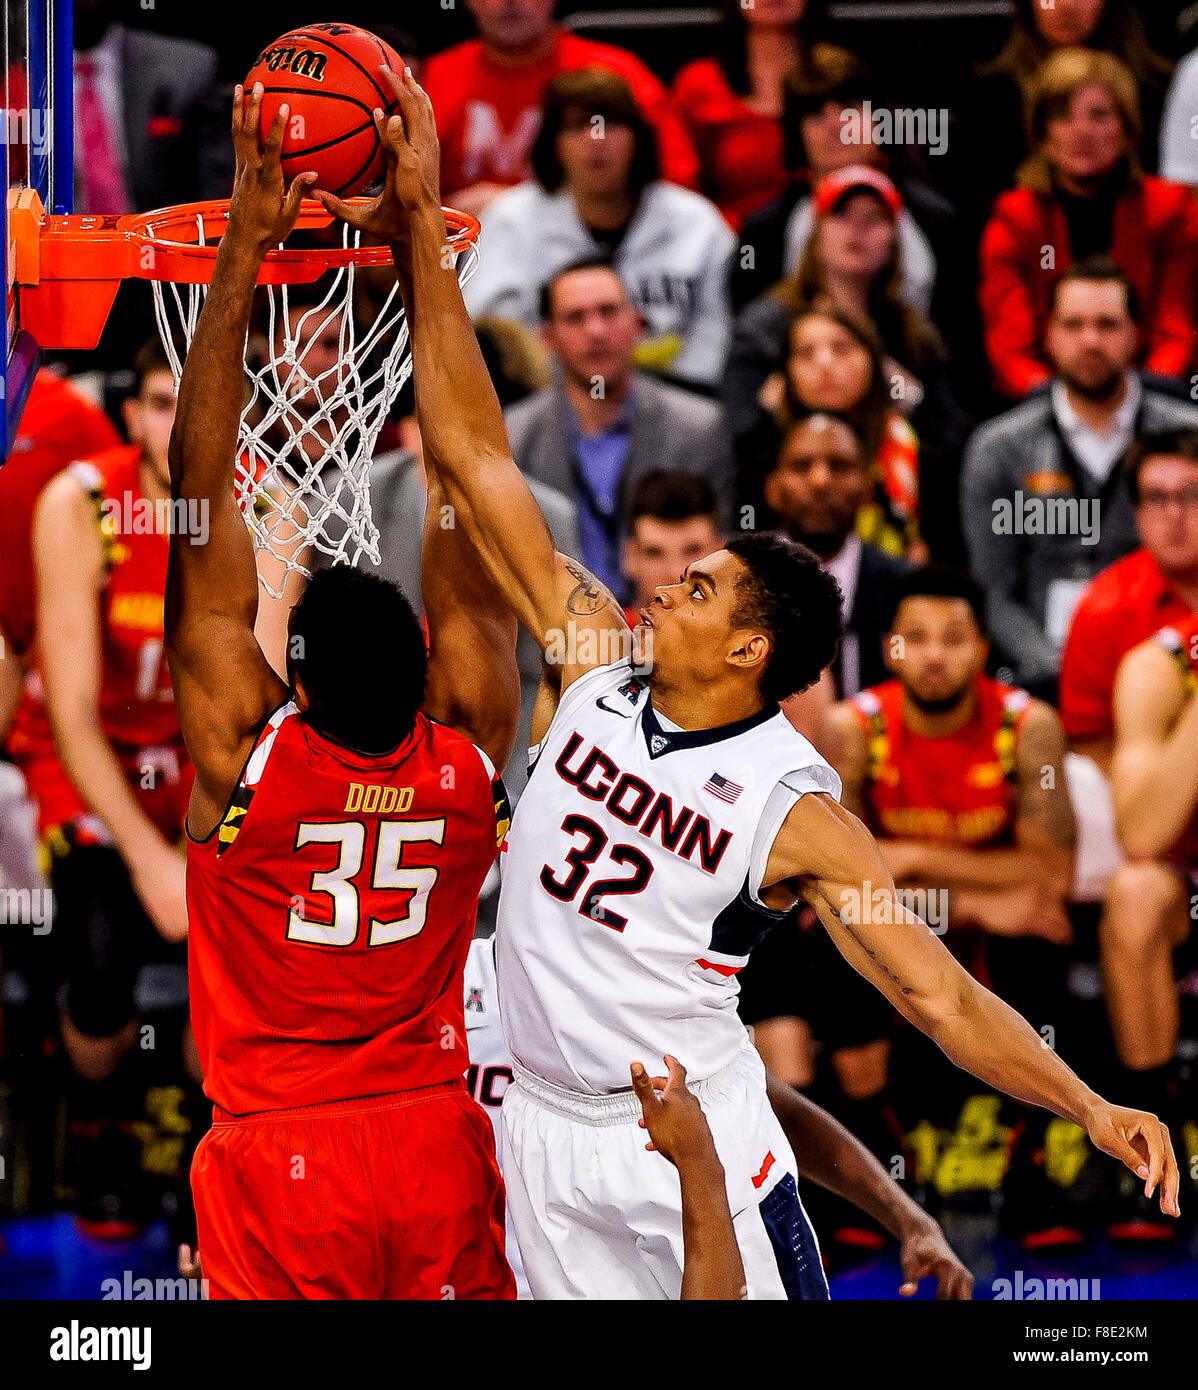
(819, 482)
(594, 138)
(589, 324)
(937, 644)
(672, 521)
(761, 612)
(356, 659)
(149, 411)
(1162, 477)
(1091, 334)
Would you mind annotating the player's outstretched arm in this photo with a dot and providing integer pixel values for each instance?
(1154, 771)
(473, 681)
(825, 855)
(224, 686)
(678, 1130)
(829, 1155)
(461, 422)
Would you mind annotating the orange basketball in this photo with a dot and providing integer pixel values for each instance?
(328, 74)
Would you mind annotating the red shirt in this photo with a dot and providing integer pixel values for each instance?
(741, 152)
(488, 113)
(331, 913)
(1120, 608)
(1154, 241)
(137, 707)
(1181, 640)
(958, 789)
(58, 425)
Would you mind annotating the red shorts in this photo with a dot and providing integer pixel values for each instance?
(395, 1196)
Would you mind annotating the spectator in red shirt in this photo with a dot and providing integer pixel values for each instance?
(733, 102)
(488, 91)
(1082, 192)
(58, 426)
(1149, 589)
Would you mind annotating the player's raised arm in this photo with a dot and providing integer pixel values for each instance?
(461, 422)
(224, 687)
(473, 680)
(825, 855)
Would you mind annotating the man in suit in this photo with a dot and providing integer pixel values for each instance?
(1044, 504)
(603, 425)
(817, 486)
(151, 127)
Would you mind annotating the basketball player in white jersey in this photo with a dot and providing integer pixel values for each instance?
(672, 816)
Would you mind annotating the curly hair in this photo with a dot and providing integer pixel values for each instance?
(786, 592)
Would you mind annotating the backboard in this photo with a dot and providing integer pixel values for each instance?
(36, 148)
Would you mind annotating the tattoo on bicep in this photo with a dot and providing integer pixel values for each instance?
(588, 596)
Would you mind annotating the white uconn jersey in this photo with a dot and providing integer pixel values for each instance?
(630, 880)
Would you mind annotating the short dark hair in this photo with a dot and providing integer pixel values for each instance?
(826, 73)
(1098, 269)
(600, 93)
(940, 581)
(358, 645)
(545, 304)
(150, 357)
(671, 496)
(1177, 443)
(788, 593)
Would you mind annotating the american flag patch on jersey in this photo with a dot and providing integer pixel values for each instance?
(722, 787)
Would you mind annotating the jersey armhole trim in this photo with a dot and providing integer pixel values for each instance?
(207, 839)
(818, 780)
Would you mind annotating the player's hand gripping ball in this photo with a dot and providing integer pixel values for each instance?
(328, 74)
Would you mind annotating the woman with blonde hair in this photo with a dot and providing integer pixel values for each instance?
(1082, 192)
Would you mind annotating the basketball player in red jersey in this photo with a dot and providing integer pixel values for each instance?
(961, 779)
(98, 739)
(1154, 779)
(337, 840)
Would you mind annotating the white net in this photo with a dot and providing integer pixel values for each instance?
(321, 385)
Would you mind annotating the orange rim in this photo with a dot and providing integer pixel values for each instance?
(68, 268)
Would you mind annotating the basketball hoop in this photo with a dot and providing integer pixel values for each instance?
(307, 432)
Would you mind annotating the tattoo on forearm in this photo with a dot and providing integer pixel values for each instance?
(588, 597)
(890, 975)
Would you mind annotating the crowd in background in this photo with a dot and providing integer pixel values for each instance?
(954, 353)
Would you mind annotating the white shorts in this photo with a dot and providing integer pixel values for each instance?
(598, 1216)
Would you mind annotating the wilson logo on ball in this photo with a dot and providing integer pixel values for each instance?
(302, 62)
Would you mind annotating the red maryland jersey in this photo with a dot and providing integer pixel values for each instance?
(1181, 641)
(959, 789)
(137, 708)
(331, 913)
(57, 425)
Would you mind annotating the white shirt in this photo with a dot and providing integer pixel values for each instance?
(1179, 130)
(1098, 453)
(673, 260)
(845, 568)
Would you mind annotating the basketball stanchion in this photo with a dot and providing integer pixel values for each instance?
(307, 432)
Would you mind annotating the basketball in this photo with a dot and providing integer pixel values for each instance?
(328, 74)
